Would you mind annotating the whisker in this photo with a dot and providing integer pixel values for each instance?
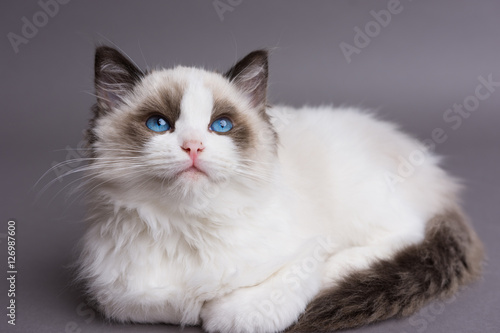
(74, 161)
(98, 97)
(88, 181)
(96, 169)
(102, 161)
(100, 165)
(250, 173)
(255, 161)
(82, 169)
(103, 149)
(116, 46)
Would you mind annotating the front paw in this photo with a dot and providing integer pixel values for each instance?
(245, 311)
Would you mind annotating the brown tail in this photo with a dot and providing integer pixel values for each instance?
(450, 256)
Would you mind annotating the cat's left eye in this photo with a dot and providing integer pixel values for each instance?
(221, 125)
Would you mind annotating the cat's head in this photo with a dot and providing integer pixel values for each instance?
(172, 133)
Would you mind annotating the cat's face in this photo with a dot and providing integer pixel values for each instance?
(173, 133)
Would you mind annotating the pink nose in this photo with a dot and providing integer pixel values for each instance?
(193, 148)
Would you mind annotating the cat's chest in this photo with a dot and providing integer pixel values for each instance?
(174, 270)
(182, 264)
(179, 283)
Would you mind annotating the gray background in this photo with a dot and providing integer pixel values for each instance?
(426, 59)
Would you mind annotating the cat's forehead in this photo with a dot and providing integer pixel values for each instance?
(182, 80)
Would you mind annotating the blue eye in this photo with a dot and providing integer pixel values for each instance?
(157, 124)
(221, 125)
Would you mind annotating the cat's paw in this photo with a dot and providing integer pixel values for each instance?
(249, 311)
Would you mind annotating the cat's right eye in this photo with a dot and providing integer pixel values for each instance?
(157, 124)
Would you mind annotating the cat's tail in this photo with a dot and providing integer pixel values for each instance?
(450, 256)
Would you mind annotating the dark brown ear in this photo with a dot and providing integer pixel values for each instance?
(115, 76)
(250, 76)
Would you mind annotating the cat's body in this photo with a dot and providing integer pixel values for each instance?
(240, 229)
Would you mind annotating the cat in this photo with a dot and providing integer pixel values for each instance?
(207, 206)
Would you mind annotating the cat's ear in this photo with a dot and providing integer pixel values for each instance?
(115, 76)
(250, 76)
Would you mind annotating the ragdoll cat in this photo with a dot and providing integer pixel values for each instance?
(208, 207)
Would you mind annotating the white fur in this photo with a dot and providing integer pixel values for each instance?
(237, 254)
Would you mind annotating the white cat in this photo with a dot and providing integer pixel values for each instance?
(208, 207)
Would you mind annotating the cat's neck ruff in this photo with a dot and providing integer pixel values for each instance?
(201, 215)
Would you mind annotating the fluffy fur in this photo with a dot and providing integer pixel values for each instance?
(293, 213)
(447, 259)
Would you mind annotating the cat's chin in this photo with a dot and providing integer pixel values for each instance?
(192, 180)
(192, 173)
